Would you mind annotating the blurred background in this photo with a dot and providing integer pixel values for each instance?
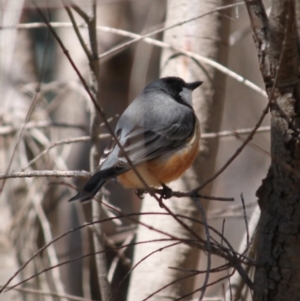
(39, 88)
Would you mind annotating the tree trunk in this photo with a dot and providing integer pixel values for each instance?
(207, 36)
(277, 274)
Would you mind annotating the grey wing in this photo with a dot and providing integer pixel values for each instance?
(152, 144)
(142, 144)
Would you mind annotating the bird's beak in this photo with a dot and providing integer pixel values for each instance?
(194, 85)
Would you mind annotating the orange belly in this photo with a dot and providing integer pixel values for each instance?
(166, 168)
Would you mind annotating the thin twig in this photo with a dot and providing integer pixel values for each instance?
(236, 284)
(279, 161)
(68, 262)
(47, 173)
(208, 268)
(81, 13)
(245, 219)
(195, 56)
(160, 44)
(11, 129)
(219, 252)
(180, 194)
(35, 193)
(234, 133)
(85, 174)
(43, 293)
(164, 29)
(30, 125)
(239, 150)
(223, 230)
(20, 134)
(119, 256)
(47, 234)
(78, 34)
(62, 142)
(117, 288)
(192, 274)
(202, 287)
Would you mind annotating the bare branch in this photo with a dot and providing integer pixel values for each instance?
(78, 34)
(11, 129)
(62, 142)
(160, 44)
(44, 293)
(246, 221)
(120, 256)
(203, 217)
(47, 173)
(238, 151)
(137, 39)
(217, 249)
(47, 234)
(234, 133)
(191, 194)
(81, 12)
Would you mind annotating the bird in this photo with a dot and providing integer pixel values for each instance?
(160, 134)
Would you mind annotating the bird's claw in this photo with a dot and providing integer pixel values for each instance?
(140, 193)
(166, 193)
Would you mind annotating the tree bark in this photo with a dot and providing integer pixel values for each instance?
(277, 273)
(207, 36)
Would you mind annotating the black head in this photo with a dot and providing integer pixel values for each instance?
(176, 87)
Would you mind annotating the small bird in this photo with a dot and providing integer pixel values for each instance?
(160, 133)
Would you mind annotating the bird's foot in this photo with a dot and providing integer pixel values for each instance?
(166, 193)
(140, 193)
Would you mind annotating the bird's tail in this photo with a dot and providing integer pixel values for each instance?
(91, 187)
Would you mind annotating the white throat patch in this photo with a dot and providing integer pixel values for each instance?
(186, 95)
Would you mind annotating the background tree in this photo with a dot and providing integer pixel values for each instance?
(277, 41)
